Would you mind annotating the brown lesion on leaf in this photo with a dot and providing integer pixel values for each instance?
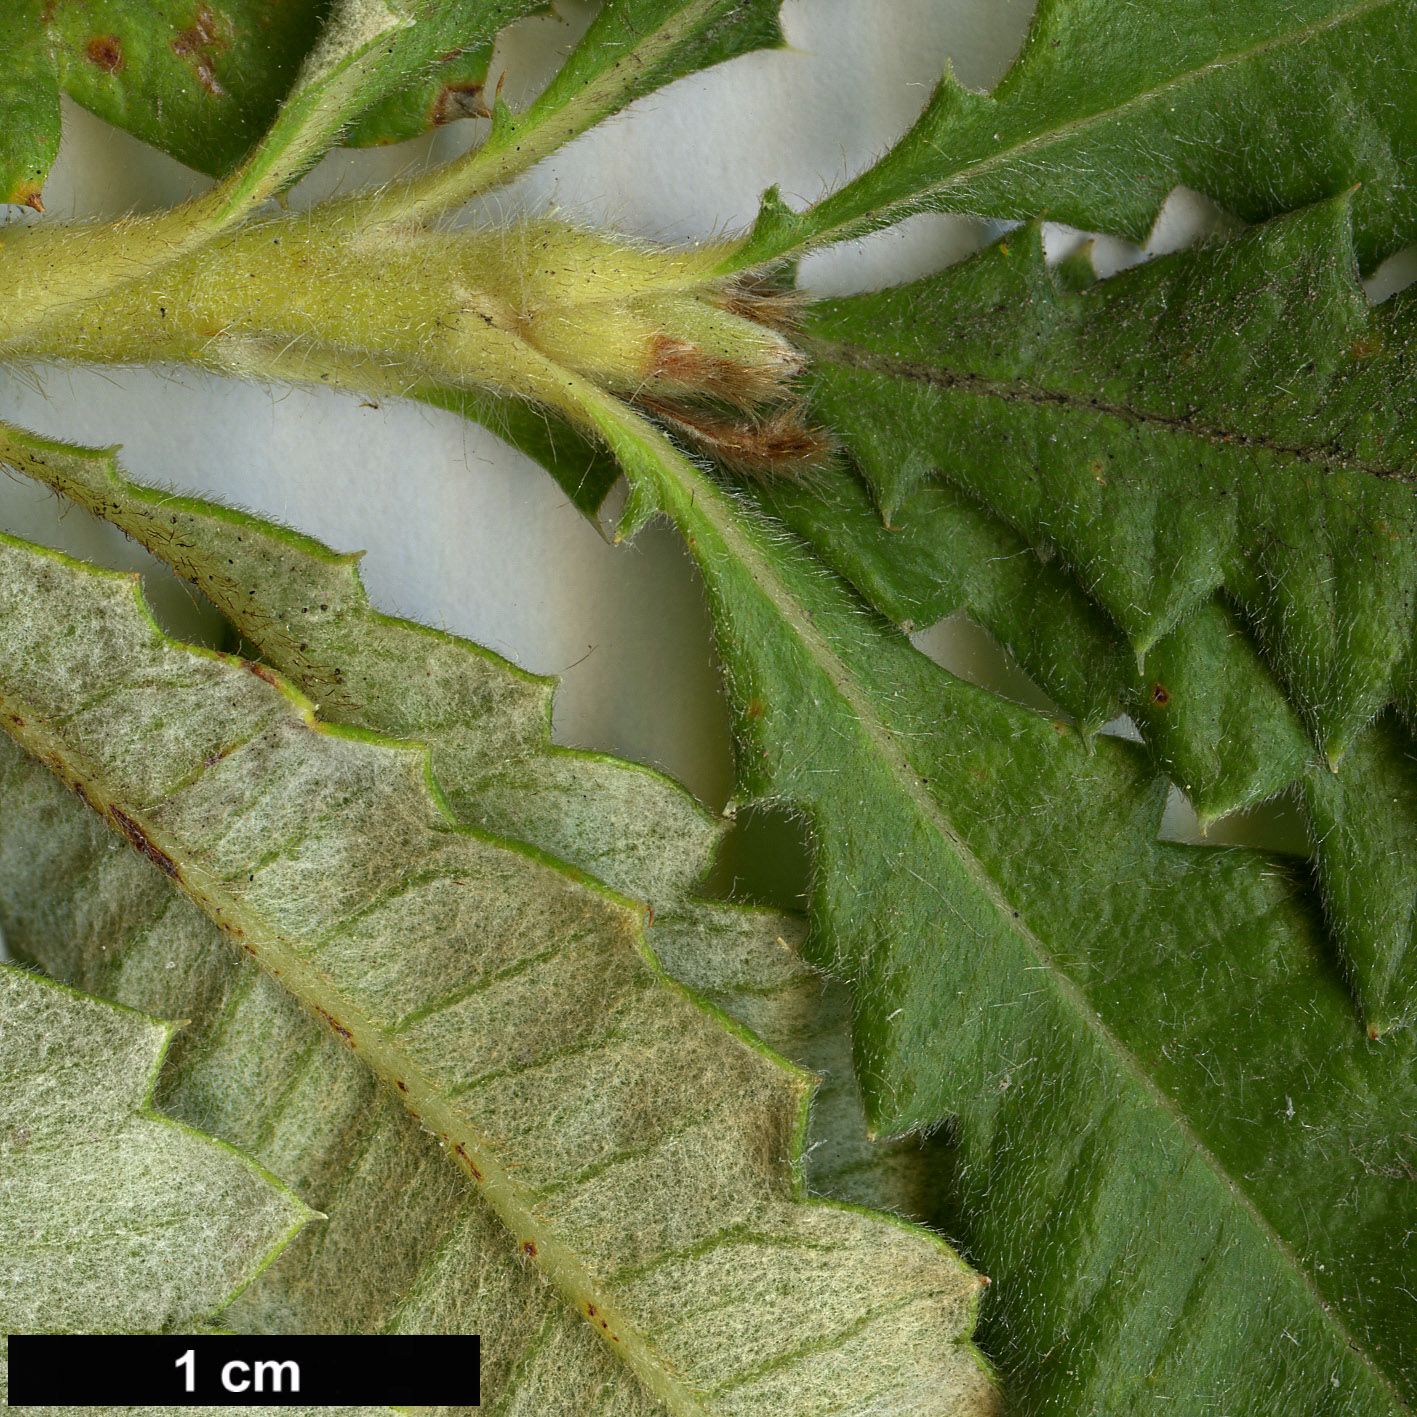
(143, 843)
(458, 100)
(27, 195)
(1160, 695)
(199, 44)
(262, 671)
(1366, 346)
(105, 51)
(467, 1160)
(335, 1024)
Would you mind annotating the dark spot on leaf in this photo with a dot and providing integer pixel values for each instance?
(456, 101)
(1366, 346)
(401, 1084)
(462, 1151)
(335, 1024)
(262, 672)
(529, 1248)
(144, 844)
(105, 51)
(200, 43)
(1160, 695)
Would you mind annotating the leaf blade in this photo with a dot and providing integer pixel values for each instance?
(422, 1039)
(1097, 122)
(1259, 363)
(953, 1035)
(116, 1217)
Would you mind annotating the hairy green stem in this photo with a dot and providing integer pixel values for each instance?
(575, 101)
(503, 309)
(48, 269)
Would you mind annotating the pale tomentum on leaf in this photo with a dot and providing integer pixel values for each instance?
(1177, 1154)
(486, 727)
(116, 1218)
(589, 1118)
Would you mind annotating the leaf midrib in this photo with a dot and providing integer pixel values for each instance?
(1177, 81)
(871, 219)
(250, 931)
(698, 498)
(1021, 391)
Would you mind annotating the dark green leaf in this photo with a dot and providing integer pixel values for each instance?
(1263, 108)
(29, 107)
(1182, 1162)
(1234, 418)
(203, 79)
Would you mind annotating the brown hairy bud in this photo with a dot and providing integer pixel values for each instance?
(777, 444)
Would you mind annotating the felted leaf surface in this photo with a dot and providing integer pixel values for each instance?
(486, 724)
(1263, 107)
(113, 1218)
(1233, 420)
(578, 1106)
(1119, 1026)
